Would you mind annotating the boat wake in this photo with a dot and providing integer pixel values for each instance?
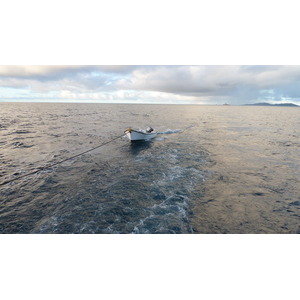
(170, 131)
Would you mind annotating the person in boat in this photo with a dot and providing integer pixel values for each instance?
(149, 129)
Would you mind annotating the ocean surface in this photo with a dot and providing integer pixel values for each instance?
(212, 169)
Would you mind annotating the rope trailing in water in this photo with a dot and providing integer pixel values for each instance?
(59, 162)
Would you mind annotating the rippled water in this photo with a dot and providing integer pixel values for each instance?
(212, 169)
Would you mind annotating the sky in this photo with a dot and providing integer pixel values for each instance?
(174, 84)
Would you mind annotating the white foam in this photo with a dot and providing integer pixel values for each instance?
(170, 131)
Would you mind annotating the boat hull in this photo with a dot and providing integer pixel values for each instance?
(134, 135)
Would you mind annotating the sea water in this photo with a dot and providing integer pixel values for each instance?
(211, 169)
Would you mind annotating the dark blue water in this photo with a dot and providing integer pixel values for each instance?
(212, 169)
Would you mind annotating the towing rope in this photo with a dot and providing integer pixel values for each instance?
(59, 162)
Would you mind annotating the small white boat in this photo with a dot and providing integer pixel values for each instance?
(140, 135)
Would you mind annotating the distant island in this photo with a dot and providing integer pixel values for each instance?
(268, 104)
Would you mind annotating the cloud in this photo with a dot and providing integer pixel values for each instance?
(40, 72)
(190, 84)
(73, 78)
(237, 83)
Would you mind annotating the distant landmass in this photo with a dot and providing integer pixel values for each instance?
(268, 104)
